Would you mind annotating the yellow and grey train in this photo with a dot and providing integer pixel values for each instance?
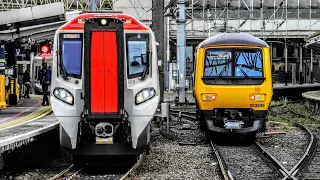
(233, 83)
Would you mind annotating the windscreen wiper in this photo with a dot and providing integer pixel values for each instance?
(224, 69)
(244, 73)
(249, 67)
(62, 67)
(255, 68)
(144, 72)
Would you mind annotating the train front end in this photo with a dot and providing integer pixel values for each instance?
(105, 85)
(233, 83)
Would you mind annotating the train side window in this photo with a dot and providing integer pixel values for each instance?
(248, 62)
(137, 54)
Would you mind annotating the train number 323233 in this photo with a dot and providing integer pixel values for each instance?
(256, 105)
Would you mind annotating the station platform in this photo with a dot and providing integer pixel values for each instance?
(27, 110)
(291, 86)
(21, 124)
(312, 100)
(293, 91)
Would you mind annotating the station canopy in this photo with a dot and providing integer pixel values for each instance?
(313, 41)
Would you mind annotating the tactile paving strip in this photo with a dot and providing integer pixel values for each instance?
(39, 113)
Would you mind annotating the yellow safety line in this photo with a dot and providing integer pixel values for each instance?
(39, 113)
(36, 96)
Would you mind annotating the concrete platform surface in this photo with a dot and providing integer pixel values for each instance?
(313, 95)
(25, 111)
(15, 136)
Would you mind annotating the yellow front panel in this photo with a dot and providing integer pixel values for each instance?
(232, 95)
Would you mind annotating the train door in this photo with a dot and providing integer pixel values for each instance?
(36, 66)
(48, 60)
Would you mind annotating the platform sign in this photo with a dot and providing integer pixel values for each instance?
(20, 52)
(2, 60)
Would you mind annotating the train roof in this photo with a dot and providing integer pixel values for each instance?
(233, 39)
(77, 23)
(43, 55)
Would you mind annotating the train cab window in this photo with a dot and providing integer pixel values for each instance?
(218, 62)
(71, 54)
(137, 54)
(248, 62)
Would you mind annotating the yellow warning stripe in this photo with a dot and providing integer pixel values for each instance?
(39, 113)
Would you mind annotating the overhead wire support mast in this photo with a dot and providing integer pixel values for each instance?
(93, 5)
(181, 49)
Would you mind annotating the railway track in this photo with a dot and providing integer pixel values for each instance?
(72, 171)
(313, 170)
(300, 167)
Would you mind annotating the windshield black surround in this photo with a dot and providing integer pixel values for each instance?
(233, 66)
(71, 53)
(137, 48)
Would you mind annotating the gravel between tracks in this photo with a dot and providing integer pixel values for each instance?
(39, 173)
(244, 163)
(169, 160)
(313, 170)
(286, 148)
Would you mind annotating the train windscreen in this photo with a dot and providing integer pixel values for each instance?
(71, 54)
(137, 53)
(233, 63)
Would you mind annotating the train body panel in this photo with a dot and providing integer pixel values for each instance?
(36, 67)
(139, 91)
(233, 83)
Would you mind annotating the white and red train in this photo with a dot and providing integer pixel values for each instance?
(105, 84)
(36, 67)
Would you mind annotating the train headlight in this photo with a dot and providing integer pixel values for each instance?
(209, 97)
(144, 95)
(63, 95)
(103, 21)
(257, 97)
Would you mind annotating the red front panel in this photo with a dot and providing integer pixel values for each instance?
(104, 73)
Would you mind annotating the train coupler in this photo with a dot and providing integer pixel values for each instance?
(233, 124)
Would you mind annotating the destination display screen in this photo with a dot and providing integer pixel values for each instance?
(71, 36)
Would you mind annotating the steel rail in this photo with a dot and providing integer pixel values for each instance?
(190, 116)
(223, 168)
(132, 170)
(303, 161)
(67, 170)
(307, 156)
(309, 152)
(274, 161)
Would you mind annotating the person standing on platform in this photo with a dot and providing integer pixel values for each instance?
(26, 82)
(45, 80)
